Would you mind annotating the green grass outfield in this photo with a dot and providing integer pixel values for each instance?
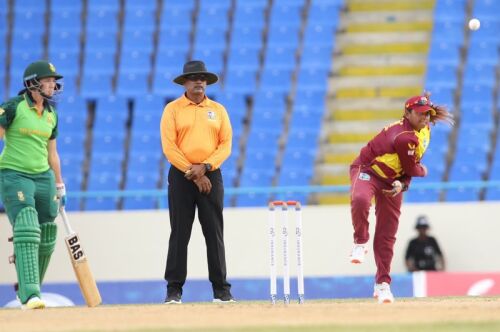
(408, 315)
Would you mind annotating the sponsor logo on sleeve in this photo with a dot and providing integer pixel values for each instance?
(364, 176)
(411, 149)
(2, 111)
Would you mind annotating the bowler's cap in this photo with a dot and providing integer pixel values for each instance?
(419, 104)
(422, 222)
(195, 67)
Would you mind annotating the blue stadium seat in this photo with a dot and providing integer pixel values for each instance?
(71, 160)
(240, 81)
(284, 35)
(148, 104)
(246, 36)
(228, 178)
(280, 57)
(72, 123)
(307, 117)
(64, 41)
(66, 62)
(256, 177)
(477, 92)
(35, 15)
(170, 61)
(63, 5)
(249, 14)
(132, 84)
(99, 62)
(103, 182)
(213, 58)
(145, 121)
(146, 142)
(106, 162)
(492, 194)
(449, 30)
(108, 142)
(316, 56)
(100, 41)
(312, 79)
(102, 18)
(442, 72)
(107, 4)
(475, 113)
(69, 104)
(142, 18)
(298, 157)
(210, 37)
(288, 13)
(140, 181)
(261, 158)
(462, 195)
(317, 35)
(252, 199)
(484, 52)
(244, 58)
(137, 39)
(27, 41)
(324, 13)
(302, 138)
(260, 138)
(147, 162)
(479, 73)
(276, 80)
(19, 61)
(135, 62)
(96, 85)
(298, 176)
(176, 15)
(421, 195)
(213, 15)
(174, 39)
(65, 20)
(111, 113)
(454, 8)
(444, 52)
(271, 119)
(163, 85)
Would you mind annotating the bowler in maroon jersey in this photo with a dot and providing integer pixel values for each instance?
(383, 170)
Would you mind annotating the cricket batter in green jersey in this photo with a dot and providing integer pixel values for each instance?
(31, 185)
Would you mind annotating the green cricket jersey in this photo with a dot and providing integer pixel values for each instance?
(26, 135)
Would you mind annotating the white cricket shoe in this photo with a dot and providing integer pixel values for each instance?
(358, 254)
(34, 303)
(382, 292)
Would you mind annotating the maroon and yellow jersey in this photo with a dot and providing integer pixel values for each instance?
(395, 152)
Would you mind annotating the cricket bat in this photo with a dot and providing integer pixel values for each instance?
(80, 264)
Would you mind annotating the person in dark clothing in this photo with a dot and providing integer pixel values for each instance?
(196, 137)
(423, 252)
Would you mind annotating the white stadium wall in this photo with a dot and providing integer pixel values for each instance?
(133, 245)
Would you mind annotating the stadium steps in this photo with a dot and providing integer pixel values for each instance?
(379, 61)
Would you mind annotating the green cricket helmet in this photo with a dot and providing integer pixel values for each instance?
(40, 69)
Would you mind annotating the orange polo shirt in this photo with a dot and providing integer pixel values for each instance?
(195, 133)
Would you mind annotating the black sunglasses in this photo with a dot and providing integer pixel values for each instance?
(197, 77)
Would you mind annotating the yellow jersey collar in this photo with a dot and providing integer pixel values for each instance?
(186, 101)
(31, 103)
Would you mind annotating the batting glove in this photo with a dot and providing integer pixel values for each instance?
(61, 194)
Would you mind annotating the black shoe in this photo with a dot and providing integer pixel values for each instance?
(173, 297)
(224, 298)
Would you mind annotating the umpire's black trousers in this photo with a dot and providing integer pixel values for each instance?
(183, 198)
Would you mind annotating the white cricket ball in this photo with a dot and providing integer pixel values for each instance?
(474, 24)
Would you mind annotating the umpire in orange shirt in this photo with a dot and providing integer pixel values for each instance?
(196, 137)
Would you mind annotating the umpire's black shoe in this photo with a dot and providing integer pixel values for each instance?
(224, 298)
(173, 297)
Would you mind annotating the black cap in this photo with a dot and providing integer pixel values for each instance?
(196, 67)
(422, 222)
